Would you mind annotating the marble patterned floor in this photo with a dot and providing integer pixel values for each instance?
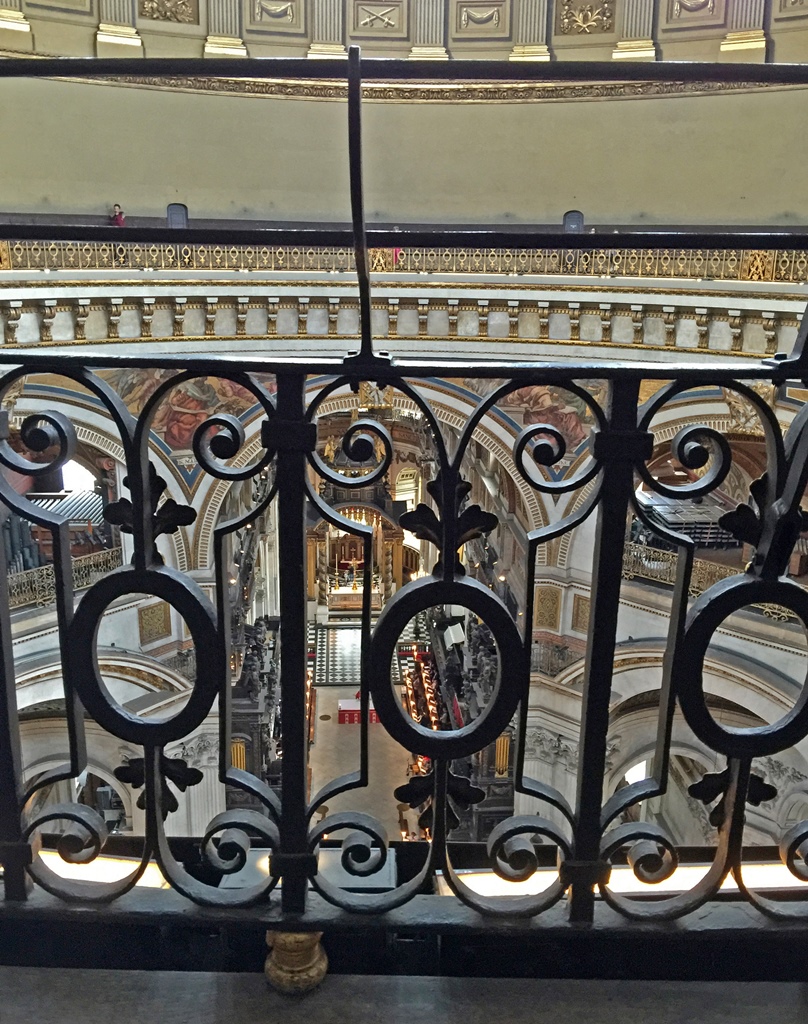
(132, 997)
(337, 649)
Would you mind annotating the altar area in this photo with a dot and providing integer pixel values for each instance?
(348, 599)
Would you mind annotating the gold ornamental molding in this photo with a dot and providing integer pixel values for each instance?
(753, 265)
(421, 92)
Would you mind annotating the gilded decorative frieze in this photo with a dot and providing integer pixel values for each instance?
(419, 92)
(785, 266)
(185, 12)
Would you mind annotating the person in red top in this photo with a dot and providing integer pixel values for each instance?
(117, 218)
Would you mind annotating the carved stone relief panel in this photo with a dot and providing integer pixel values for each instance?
(548, 608)
(580, 613)
(154, 622)
(279, 17)
(578, 18)
(685, 14)
(481, 19)
(386, 20)
(786, 9)
(181, 12)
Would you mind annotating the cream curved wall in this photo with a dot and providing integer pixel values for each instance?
(725, 157)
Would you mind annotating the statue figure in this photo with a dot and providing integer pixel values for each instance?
(251, 676)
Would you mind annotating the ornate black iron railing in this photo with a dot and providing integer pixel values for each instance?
(583, 831)
(621, 445)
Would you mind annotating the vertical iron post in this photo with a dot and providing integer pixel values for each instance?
(618, 448)
(292, 438)
(15, 853)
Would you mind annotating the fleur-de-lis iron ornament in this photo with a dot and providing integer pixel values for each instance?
(716, 784)
(419, 791)
(172, 769)
(472, 522)
(746, 521)
(167, 518)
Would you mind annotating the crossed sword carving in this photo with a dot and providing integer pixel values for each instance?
(374, 16)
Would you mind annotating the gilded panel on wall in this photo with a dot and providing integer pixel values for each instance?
(185, 12)
(481, 19)
(548, 608)
(577, 18)
(154, 622)
(695, 13)
(280, 17)
(580, 613)
(378, 20)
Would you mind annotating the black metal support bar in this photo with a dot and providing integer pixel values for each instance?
(619, 447)
(293, 858)
(15, 852)
(357, 198)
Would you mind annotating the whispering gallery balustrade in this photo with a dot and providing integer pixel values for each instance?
(589, 836)
(38, 586)
(278, 436)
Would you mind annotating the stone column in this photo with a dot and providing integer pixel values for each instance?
(387, 580)
(312, 552)
(328, 29)
(746, 40)
(530, 31)
(636, 32)
(322, 575)
(398, 564)
(15, 29)
(428, 33)
(224, 30)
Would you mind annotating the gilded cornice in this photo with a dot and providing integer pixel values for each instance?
(432, 92)
(423, 92)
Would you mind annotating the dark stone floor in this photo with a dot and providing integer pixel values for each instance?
(130, 997)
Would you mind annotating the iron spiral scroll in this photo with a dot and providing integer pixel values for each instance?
(276, 441)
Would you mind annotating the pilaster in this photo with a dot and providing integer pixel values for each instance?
(745, 41)
(328, 29)
(428, 30)
(530, 31)
(15, 29)
(224, 30)
(117, 35)
(636, 32)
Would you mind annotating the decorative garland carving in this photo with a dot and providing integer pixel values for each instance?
(181, 11)
(692, 6)
(585, 19)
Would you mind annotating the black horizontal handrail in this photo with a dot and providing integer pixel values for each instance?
(439, 237)
(380, 69)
